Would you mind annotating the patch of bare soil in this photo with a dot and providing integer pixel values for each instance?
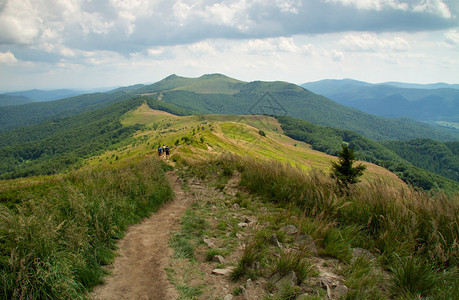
(138, 272)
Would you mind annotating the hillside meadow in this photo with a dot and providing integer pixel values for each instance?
(57, 231)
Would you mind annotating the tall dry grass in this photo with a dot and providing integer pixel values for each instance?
(53, 246)
(411, 232)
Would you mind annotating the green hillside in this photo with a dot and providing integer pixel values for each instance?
(421, 102)
(422, 163)
(56, 145)
(223, 95)
(59, 230)
(428, 154)
(13, 117)
(9, 100)
(216, 93)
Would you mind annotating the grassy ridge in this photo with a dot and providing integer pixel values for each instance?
(413, 234)
(54, 243)
(422, 163)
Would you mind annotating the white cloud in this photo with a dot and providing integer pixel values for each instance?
(19, 23)
(337, 55)
(290, 6)
(7, 58)
(272, 46)
(437, 7)
(452, 37)
(373, 4)
(370, 42)
(228, 14)
(201, 48)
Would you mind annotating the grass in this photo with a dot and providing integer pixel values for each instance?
(53, 246)
(365, 280)
(414, 233)
(294, 260)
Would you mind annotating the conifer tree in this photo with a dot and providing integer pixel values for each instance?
(343, 170)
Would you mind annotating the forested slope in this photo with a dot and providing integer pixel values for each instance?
(328, 140)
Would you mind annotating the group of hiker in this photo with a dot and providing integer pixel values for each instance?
(163, 150)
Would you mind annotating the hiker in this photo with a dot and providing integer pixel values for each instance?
(160, 151)
(166, 150)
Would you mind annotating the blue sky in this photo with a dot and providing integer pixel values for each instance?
(88, 44)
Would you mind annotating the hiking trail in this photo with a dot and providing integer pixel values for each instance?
(143, 254)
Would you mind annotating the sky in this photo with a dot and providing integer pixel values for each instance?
(85, 44)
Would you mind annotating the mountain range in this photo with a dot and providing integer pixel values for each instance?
(36, 95)
(47, 137)
(433, 103)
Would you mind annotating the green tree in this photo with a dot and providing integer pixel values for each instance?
(343, 170)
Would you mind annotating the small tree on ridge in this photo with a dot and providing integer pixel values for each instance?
(343, 170)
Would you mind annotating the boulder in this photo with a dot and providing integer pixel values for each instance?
(289, 229)
(224, 272)
(219, 259)
(280, 281)
(228, 297)
(307, 242)
(210, 243)
(340, 291)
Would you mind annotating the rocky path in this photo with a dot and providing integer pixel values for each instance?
(138, 272)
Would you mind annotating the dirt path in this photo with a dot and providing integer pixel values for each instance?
(138, 272)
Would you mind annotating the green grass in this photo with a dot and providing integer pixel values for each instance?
(395, 223)
(53, 246)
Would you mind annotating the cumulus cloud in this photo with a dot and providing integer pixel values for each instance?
(370, 42)
(373, 4)
(337, 55)
(452, 37)
(271, 46)
(7, 58)
(93, 33)
(436, 7)
(132, 25)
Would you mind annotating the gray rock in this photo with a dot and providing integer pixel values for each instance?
(228, 297)
(289, 229)
(224, 272)
(249, 283)
(290, 280)
(307, 242)
(242, 224)
(274, 241)
(219, 259)
(275, 278)
(340, 290)
(360, 252)
(303, 296)
(210, 243)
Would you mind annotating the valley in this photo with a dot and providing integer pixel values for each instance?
(73, 186)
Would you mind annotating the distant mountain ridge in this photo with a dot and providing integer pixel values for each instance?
(219, 94)
(37, 95)
(429, 103)
(9, 100)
